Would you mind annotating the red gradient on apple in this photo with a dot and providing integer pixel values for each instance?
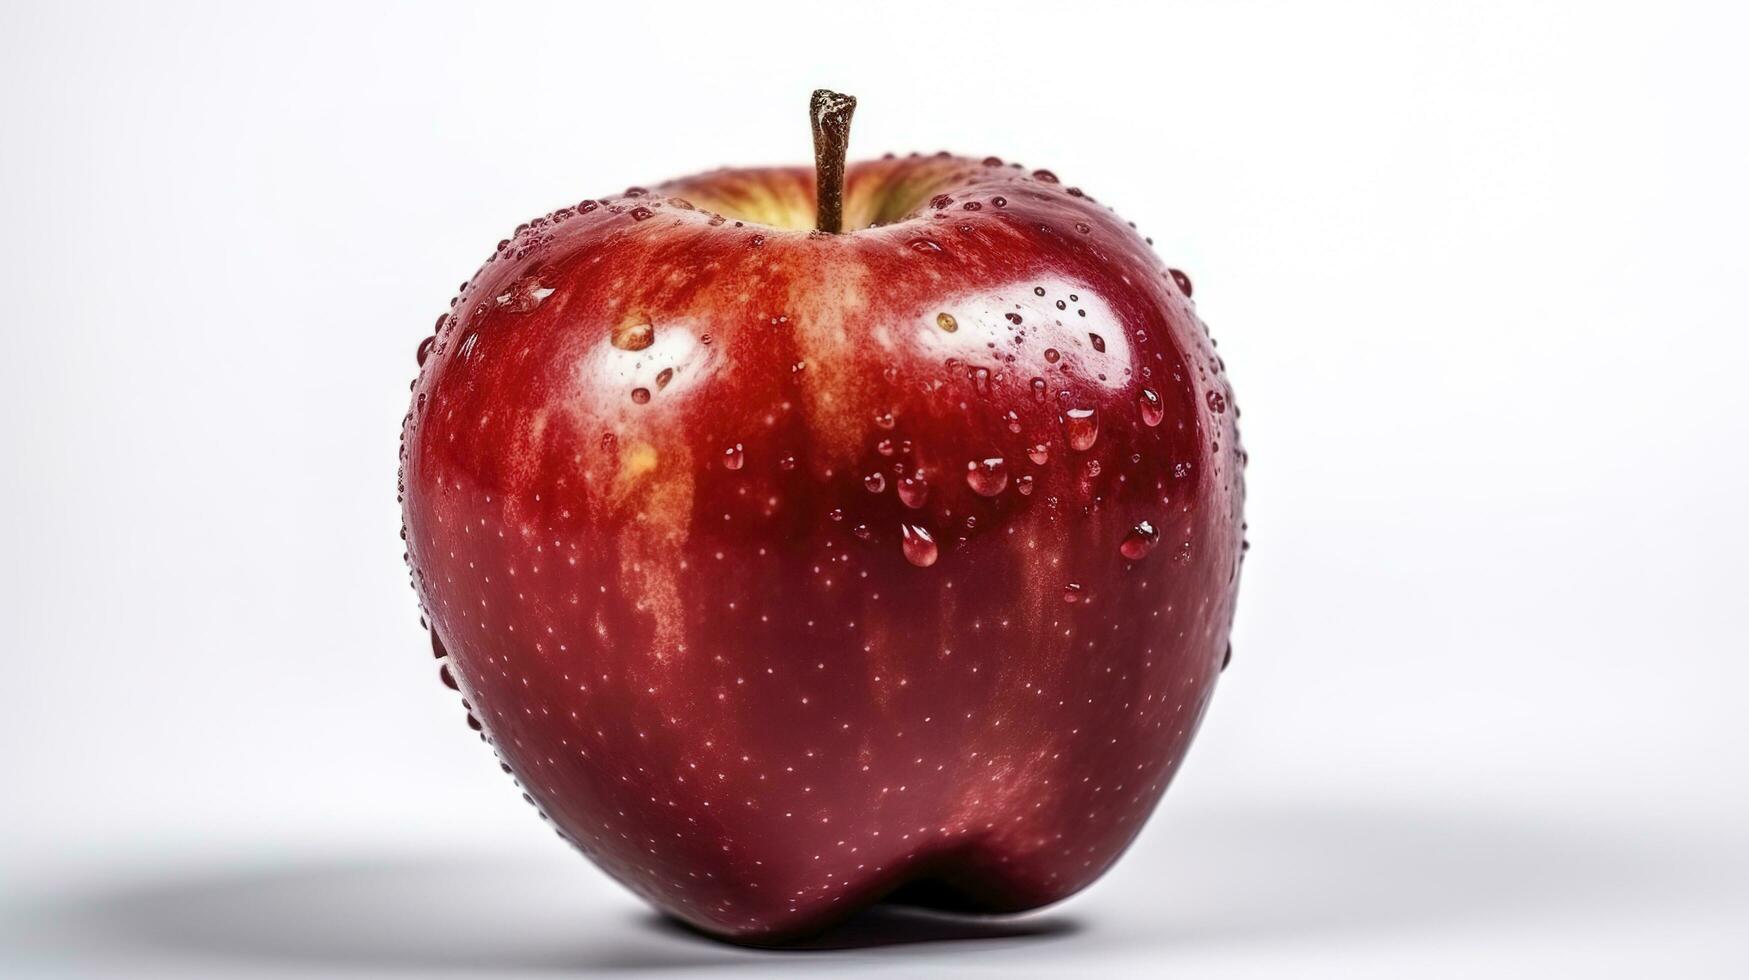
(788, 570)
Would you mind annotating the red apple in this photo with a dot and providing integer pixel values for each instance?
(787, 569)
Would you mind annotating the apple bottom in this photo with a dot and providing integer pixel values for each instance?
(766, 763)
(970, 880)
(997, 838)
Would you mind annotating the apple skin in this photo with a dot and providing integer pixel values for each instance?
(659, 480)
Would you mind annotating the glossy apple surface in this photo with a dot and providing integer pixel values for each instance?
(787, 570)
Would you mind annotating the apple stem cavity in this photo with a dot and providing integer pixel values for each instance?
(830, 113)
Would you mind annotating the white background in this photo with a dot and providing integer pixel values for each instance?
(1478, 272)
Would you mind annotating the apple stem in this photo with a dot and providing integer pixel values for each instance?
(830, 113)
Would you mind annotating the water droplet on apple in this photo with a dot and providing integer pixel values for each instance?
(884, 419)
(641, 213)
(999, 201)
(940, 201)
(663, 377)
(925, 245)
(1024, 484)
(523, 295)
(875, 482)
(1038, 389)
(424, 350)
(1153, 410)
(641, 396)
(1097, 341)
(1081, 428)
(1227, 658)
(1181, 280)
(1217, 402)
(1052, 355)
(787, 463)
(1013, 419)
(946, 322)
(914, 490)
(919, 547)
(636, 333)
(862, 532)
(1040, 453)
(1139, 541)
(987, 477)
(734, 458)
(1044, 175)
(1072, 592)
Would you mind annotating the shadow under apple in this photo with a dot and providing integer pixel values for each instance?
(1248, 877)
